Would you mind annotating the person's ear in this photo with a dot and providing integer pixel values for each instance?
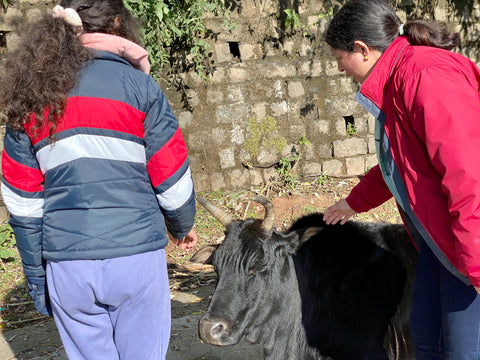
(116, 22)
(362, 48)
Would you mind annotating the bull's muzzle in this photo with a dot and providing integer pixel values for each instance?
(214, 332)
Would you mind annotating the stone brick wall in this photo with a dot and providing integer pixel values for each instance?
(264, 71)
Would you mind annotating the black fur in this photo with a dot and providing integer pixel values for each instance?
(315, 291)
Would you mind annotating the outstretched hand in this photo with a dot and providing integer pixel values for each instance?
(339, 211)
(187, 243)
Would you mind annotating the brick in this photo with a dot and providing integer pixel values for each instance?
(217, 181)
(312, 169)
(279, 108)
(332, 167)
(237, 135)
(235, 94)
(226, 114)
(266, 156)
(295, 89)
(238, 178)
(355, 166)
(319, 127)
(185, 119)
(214, 96)
(227, 158)
(222, 51)
(370, 161)
(349, 147)
(238, 74)
(201, 181)
(250, 51)
(255, 177)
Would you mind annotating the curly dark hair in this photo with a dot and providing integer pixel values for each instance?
(38, 76)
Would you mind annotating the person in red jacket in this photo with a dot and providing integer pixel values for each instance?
(426, 102)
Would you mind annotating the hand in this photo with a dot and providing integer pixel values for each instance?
(187, 243)
(477, 288)
(40, 298)
(340, 211)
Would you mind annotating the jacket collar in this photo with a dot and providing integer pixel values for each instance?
(373, 87)
(133, 53)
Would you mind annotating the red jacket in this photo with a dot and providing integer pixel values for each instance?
(430, 101)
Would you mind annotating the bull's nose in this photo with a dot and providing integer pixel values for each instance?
(214, 332)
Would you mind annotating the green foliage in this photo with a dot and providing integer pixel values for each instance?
(309, 209)
(7, 242)
(6, 3)
(263, 134)
(328, 14)
(304, 141)
(322, 180)
(286, 170)
(351, 130)
(292, 19)
(174, 32)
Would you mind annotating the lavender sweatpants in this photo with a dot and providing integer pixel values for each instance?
(113, 309)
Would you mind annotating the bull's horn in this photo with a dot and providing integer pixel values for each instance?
(267, 223)
(224, 218)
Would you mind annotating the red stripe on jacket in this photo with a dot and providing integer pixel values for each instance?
(20, 176)
(168, 159)
(91, 112)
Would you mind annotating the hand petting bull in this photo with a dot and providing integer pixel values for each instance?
(313, 292)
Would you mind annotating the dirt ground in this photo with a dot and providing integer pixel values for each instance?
(193, 284)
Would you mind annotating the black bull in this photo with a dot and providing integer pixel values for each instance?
(316, 291)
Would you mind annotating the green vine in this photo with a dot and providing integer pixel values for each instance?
(174, 33)
(6, 4)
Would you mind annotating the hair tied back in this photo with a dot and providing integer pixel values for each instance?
(70, 16)
(400, 29)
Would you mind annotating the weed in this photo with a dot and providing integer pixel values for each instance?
(7, 243)
(351, 130)
(292, 19)
(321, 180)
(285, 170)
(309, 209)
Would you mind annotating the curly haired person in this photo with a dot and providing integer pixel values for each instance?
(96, 178)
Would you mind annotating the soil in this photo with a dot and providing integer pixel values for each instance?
(192, 284)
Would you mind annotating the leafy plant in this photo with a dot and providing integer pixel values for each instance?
(292, 19)
(6, 3)
(286, 169)
(309, 209)
(328, 14)
(174, 32)
(321, 180)
(7, 242)
(351, 130)
(304, 141)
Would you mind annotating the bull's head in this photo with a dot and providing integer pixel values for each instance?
(253, 257)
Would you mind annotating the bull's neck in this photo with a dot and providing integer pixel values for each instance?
(287, 338)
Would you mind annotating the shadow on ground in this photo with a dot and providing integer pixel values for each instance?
(42, 342)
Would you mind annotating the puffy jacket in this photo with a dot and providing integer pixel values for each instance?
(117, 175)
(427, 105)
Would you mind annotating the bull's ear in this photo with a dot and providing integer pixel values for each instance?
(309, 233)
(204, 255)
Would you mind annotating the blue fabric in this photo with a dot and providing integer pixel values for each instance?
(97, 207)
(445, 317)
(39, 295)
(113, 309)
